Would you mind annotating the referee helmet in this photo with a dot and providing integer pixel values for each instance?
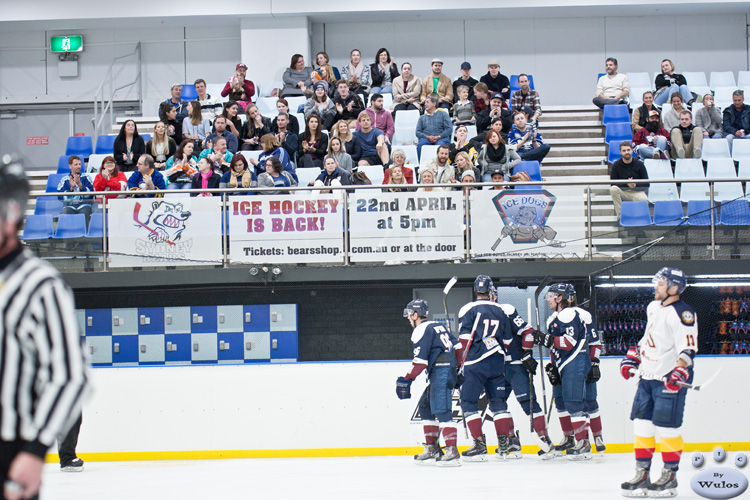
(14, 190)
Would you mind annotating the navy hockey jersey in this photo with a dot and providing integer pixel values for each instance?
(433, 343)
(493, 329)
(571, 329)
(522, 335)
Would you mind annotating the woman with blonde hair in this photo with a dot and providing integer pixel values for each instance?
(194, 126)
(239, 175)
(337, 151)
(427, 177)
(353, 148)
(161, 146)
(463, 163)
(396, 181)
(272, 147)
(668, 82)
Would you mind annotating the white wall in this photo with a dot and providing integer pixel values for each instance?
(330, 406)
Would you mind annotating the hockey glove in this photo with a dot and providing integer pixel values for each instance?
(403, 388)
(460, 379)
(629, 365)
(543, 339)
(553, 374)
(594, 373)
(528, 361)
(678, 375)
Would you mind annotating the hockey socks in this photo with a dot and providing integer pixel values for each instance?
(431, 432)
(474, 423)
(450, 433)
(644, 451)
(671, 450)
(540, 426)
(580, 427)
(567, 426)
(503, 423)
(596, 424)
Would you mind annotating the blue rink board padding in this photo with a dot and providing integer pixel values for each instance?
(197, 335)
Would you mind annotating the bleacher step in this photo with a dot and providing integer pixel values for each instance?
(570, 116)
(565, 133)
(544, 125)
(574, 141)
(568, 151)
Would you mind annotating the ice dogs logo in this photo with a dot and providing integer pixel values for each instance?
(165, 222)
(524, 215)
(719, 482)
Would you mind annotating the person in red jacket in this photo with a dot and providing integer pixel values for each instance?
(652, 140)
(110, 178)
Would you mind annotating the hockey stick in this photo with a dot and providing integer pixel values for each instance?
(694, 387)
(531, 378)
(447, 289)
(546, 281)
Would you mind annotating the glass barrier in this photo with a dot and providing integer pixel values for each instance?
(363, 225)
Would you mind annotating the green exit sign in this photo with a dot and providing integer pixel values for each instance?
(67, 43)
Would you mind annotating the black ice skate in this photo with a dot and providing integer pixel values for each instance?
(560, 449)
(665, 486)
(514, 448)
(503, 447)
(638, 486)
(581, 451)
(546, 448)
(599, 443)
(428, 456)
(451, 458)
(75, 465)
(477, 452)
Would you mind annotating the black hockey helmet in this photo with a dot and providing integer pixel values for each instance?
(418, 306)
(483, 283)
(566, 290)
(672, 276)
(14, 189)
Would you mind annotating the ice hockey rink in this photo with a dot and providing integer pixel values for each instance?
(394, 477)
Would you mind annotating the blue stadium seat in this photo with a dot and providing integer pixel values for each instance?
(62, 165)
(96, 226)
(668, 213)
(615, 113)
(614, 151)
(105, 144)
(52, 181)
(37, 227)
(48, 205)
(530, 167)
(699, 213)
(635, 214)
(618, 131)
(735, 213)
(188, 92)
(70, 226)
(145, 137)
(80, 145)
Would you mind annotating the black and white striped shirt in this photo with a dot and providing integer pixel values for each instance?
(42, 366)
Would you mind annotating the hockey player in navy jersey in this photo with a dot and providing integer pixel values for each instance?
(590, 404)
(567, 334)
(434, 353)
(663, 359)
(485, 332)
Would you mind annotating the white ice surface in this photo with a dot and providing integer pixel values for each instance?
(381, 478)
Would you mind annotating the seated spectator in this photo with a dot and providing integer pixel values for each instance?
(641, 113)
(220, 130)
(146, 178)
(382, 72)
(462, 164)
(321, 104)
(352, 146)
(396, 181)
(494, 155)
(628, 168)
(496, 82)
(274, 176)
(527, 140)
(433, 127)
(379, 117)
(238, 88)
(527, 97)
(182, 166)
(282, 106)
(255, 127)
(427, 177)
(497, 179)
(462, 143)
(195, 127)
(466, 80)
(110, 178)
(332, 175)
(437, 84)
(161, 146)
(205, 178)
(218, 155)
(210, 106)
(348, 104)
(297, 78)
(128, 146)
(337, 151)
(651, 140)
(239, 175)
(468, 177)
(496, 109)
(288, 139)
(671, 117)
(407, 89)
(168, 116)
(708, 118)
(74, 182)
(612, 88)
(356, 74)
(271, 147)
(669, 82)
(497, 125)
(687, 139)
(313, 144)
(441, 167)
(463, 108)
(232, 114)
(481, 97)
(176, 102)
(398, 159)
(736, 118)
(371, 142)
(332, 74)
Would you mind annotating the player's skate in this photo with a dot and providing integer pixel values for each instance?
(546, 448)
(560, 449)
(581, 451)
(477, 452)
(514, 448)
(599, 443)
(503, 447)
(665, 486)
(429, 455)
(451, 458)
(638, 486)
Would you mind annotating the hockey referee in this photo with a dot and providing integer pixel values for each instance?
(42, 367)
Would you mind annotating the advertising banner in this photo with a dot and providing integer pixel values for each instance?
(304, 228)
(167, 231)
(406, 226)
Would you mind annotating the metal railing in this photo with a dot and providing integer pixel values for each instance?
(103, 110)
